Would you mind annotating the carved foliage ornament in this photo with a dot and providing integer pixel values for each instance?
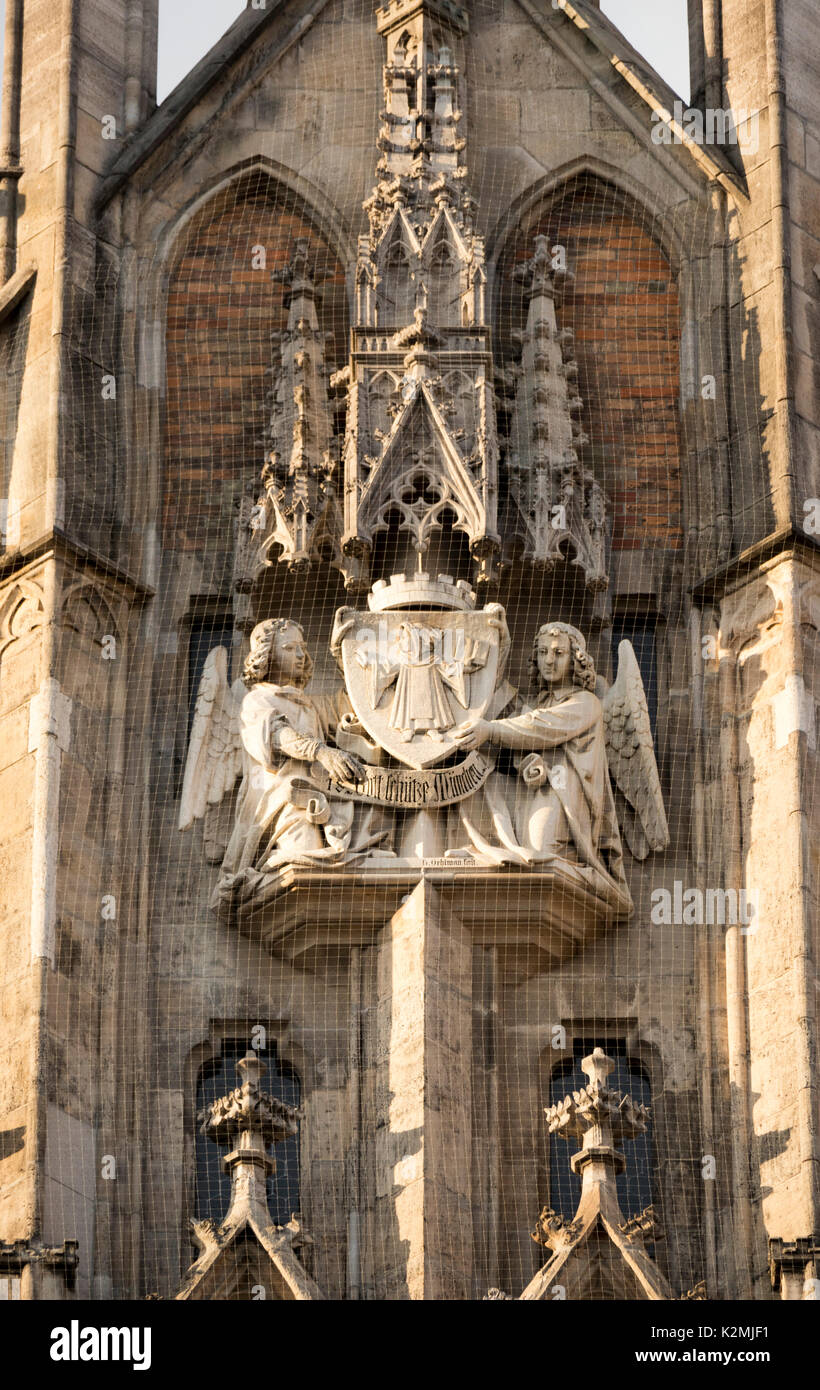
(420, 438)
(21, 611)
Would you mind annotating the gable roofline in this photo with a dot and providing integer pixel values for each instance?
(608, 40)
(218, 1243)
(647, 84)
(184, 97)
(655, 1286)
(467, 498)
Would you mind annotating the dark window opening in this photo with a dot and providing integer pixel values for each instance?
(639, 629)
(213, 1187)
(214, 630)
(635, 1183)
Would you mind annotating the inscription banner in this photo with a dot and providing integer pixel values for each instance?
(408, 789)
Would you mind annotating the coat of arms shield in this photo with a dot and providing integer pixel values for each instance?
(413, 676)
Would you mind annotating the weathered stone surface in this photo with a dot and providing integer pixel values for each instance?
(425, 1035)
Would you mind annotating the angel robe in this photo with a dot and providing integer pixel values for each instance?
(566, 814)
(284, 814)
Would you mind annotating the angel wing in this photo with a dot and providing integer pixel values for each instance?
(631, 757)
(214, 758)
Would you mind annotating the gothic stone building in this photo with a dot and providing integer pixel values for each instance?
(425, 328)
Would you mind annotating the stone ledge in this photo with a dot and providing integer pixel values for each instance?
(552, 913)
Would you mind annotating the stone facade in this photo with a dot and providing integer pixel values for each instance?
(658, 380)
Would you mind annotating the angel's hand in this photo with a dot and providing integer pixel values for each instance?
(345, 619)
(472, 734)
(342, 766)
(497, 616)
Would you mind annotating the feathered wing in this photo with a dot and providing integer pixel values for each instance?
(631, 757)
(214, 758)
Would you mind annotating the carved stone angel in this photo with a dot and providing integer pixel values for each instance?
(266, 727)
(560, 808)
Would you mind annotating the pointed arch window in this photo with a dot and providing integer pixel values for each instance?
(444, 281)
(213, 1186)
(13, 344)
(398, 285)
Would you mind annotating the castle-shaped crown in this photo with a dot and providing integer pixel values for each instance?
(421, 591)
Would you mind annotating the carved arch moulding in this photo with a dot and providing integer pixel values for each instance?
(195, 199)
(239, 254)
(89, 613)
(661, 224)
(22, 609)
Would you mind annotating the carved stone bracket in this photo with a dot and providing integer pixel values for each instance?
(17, 1255)
(792, 1263)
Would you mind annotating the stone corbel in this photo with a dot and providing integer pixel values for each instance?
(17, 1256)
(793, 1266)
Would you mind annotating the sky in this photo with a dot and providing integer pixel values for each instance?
(188, 28)
(657, 28)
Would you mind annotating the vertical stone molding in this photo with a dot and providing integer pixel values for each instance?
(49, 735)
(417, 1225)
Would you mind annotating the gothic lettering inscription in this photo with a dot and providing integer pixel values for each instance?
(411, 790)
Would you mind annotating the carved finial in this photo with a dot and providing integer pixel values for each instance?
(251, 1068)
(601, 1118)
(248, 1110)
(597, 1066)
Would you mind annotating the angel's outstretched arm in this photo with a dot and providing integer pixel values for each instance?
(547, 728)
(534, 730)
(270, 739)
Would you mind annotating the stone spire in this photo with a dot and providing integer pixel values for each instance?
(249, 1119)
(561, 508)
(420, 440)
(421, 143)
(296, 519)
(421, 431)
(598, 1254)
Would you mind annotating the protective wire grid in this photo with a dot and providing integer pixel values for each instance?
(421, 1072)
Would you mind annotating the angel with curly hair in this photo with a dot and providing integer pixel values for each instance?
(561, 807)
(280, 738)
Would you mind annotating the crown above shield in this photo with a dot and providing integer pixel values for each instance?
(421, 591)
